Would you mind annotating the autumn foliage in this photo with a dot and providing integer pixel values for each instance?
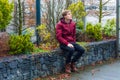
(4, 46)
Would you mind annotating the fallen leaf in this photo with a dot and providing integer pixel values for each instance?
(94, 70)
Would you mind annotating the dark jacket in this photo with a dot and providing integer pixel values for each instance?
(66, 32)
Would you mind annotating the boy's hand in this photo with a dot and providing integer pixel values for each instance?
(70, 45)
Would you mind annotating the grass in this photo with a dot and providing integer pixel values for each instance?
(39, 50)
(83, 44)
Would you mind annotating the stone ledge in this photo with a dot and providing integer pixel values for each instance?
(28, 67)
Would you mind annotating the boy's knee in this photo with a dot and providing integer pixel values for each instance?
(71, 49)
(82, 50)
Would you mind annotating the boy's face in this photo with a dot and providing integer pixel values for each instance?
(68, 16)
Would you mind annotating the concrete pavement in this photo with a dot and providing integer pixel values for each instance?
(108, 71)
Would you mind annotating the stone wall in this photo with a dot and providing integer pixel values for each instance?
(28, 67)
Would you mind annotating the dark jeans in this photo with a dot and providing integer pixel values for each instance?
(80, 50)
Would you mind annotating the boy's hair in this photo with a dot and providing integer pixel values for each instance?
(64, 13)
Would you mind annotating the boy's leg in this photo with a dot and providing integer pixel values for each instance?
(80, 50)
(70, 52)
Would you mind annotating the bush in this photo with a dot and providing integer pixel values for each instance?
(110, 28)
(94, 31)
(20, 44)
(78, 10)
(47, 40)
(44, 33)
(79, 26)
(6, 9)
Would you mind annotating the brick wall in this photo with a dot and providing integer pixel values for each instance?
(4, 38)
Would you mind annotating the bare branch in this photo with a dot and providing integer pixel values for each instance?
(105, 2)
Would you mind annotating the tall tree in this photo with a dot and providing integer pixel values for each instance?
(77, 10)
(20, 17)
(24, 15)
(68, 2)
(51, 13)
(99, 13)
(6, 9)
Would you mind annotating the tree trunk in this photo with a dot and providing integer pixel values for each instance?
(100, 11)
(20, 18)
(68, 2)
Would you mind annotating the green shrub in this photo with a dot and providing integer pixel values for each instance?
(20, 44)
(44, 33)
(80, 26)
(78, 10)
(94, 31)
(47, 39)
(6, 9)
(110, 28)
(79, 29)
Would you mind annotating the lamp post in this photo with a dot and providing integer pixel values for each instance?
(118, 26)
(38, 20)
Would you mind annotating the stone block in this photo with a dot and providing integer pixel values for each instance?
(5, 75)
(44, 67)
(42, 61)
(13, 64)
(26, 76)
(2, 65)
(11, 77)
